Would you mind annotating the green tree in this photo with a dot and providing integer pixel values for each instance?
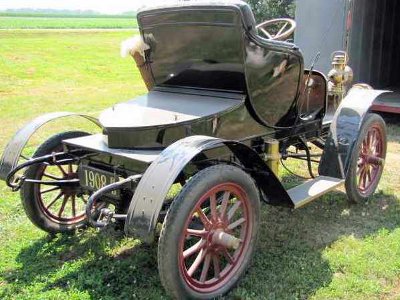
(271, 9)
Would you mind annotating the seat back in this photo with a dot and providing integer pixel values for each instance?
(197, 45)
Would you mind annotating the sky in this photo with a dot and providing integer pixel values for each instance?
(103, 6)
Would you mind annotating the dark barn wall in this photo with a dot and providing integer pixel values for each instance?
(375, 42)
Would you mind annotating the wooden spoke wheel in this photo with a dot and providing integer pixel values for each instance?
(368, 159)
(54, 208)
(62, 204)
(209, 234)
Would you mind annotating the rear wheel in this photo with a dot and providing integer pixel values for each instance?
(209, 233)
(367, 159)
(53, 208)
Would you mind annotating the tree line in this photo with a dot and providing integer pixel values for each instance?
(270, 9)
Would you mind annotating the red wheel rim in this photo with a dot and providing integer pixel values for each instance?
(63, 205)
(370, 161)
(215, 238)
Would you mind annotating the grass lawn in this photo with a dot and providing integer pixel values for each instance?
(34, 22)
(327, 250)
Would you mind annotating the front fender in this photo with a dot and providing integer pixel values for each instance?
(13, 150)
(345, 130)
(153, 187)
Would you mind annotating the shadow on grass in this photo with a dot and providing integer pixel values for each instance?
(288, 263)
(91, 265)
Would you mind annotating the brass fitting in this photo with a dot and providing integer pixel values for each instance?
(340, 75)
(273, 155)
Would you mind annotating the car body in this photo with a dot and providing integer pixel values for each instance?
(225, 106)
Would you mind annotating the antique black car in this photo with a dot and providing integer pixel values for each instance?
(228, 99)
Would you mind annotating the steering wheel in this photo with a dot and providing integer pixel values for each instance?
(283, 28)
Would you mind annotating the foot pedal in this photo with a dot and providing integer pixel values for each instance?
(312, 189)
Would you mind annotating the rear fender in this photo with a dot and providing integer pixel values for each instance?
(345, 130)
(153, 187)
(14, 148)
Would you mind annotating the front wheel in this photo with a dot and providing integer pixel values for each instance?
(209, 234)
(367, 159)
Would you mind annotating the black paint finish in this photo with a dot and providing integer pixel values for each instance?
(152, 189)
(202, 49)
(345, 130)
(273, 73)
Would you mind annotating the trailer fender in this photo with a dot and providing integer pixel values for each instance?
(153, 187)
(14, 148)
(345, 130)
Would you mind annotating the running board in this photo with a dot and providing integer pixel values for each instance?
(312, 189)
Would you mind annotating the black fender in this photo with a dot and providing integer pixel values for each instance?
(13, 150)
(153, 187)
(345, 130)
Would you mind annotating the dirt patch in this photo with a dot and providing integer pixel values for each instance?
(394, 293)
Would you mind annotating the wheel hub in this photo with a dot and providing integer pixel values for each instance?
(373, 160)
(221, 238)
(70, 189)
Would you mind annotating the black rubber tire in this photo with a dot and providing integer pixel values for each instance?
(352, 191)
(28, 196)
(168, 249)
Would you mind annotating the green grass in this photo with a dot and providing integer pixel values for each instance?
(54, 22)
(327, 250)
(63, 14)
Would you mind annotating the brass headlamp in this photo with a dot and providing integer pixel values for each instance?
(340, 76)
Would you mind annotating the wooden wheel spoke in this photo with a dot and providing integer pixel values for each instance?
(369, 175)
(195, 232)
(50, 190)
(206, 222)
(237, 223)
(193, 249)
(62, 170)
(206, 267)
(196, 264)
(60, 212)
(363, 181)
(224, 204)
(233, 209)
(364, 147)
(54, 200)
(73, 206)
(227, 256)
(217, 269)
(83, 199)
(361, 177)
(374, 141)
(369, 138)
(213, 207)
(51, 176)
(360, 167)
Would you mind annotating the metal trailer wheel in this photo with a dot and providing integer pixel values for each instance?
(367, 159)
(53, 208)
(209, 234)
